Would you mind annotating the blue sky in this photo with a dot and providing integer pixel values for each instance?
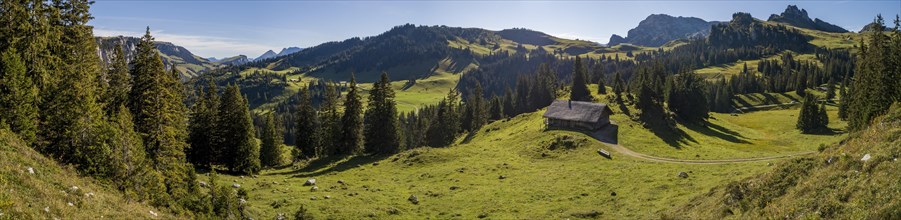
(228, 28)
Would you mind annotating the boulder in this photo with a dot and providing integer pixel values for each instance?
(341, 182)
(314, 189)
(313, 198)
(153, 213)
(328, 197)
(866, 157)
(413, 199)
(30, 170)
(236, 185)
(683, 175)
(502, 177)
(203, 184)
(310, 182)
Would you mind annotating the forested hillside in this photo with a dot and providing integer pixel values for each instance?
(447, 122)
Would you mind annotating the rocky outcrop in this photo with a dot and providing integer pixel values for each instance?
(797, 17)
(658, 29)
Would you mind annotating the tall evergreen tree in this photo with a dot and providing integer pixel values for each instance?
(70, 112)
(579, 91)
(119, 85)
(446, 124)
(496, 108)
(330, 133)
(132, 174)
(602, 88)
(240, 149)
(271, 147)
(830, 89)
(811, 119)
(352, 121)
(875, 84)
(203, 129)
(685, 97)
(381, 125)
(307, 127)
(18, 97)
(844, 100)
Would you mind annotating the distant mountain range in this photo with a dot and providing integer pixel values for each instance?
(187, 63)
(798, 17)
(658, 29)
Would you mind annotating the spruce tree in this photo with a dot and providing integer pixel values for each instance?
(843, 100)
(352, 121)
(119, 85)
(686, 97)
(579, 91)
(496, 111)
(133, 175)
(70, 112)
(875, 85)
(330, 133)
(18, 96)
(381, 125)
(271, 147)
(602, 88)
(241, 151)
(306, 127)
(812, 119)
(203, 136)
(830, 89)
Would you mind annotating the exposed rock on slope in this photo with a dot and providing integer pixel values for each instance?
(187, 63)
(798, 17)
(657, 29)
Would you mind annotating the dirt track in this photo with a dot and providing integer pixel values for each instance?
(625, 151)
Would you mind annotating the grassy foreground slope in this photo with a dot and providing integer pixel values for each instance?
(858, 179)
(542, 177)
(465, 180)
(47, 193)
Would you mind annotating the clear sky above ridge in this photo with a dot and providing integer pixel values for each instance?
(228, 28)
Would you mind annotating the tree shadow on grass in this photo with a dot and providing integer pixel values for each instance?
(334, 164)
(672, 136)
(713, 130)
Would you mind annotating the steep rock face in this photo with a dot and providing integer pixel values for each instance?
(657, 29)
(797, 17)
(187, 63)
(268, 54)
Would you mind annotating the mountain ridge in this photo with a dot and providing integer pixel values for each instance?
(658, 29)
(798, 17)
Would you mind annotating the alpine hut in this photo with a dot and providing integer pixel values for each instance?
(567, 114)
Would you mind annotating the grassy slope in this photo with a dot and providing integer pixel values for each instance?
(562, 183)
(810, 188)
(25, 195)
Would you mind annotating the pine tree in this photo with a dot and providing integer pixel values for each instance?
(496, 111)
(271, 147)
(579, 91)
(446, 124)
(119, 85)
(352, 121)
(812, 119)
(478, 108)
(71, 115)
(381, 125)
(307, 127)
(844, 99)
(875, 84)
(18, 97)
(830, 89)
(330, 133)
(203, 137)
(685, 97)
(602, 88)
(240, 149)
(132, 172)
